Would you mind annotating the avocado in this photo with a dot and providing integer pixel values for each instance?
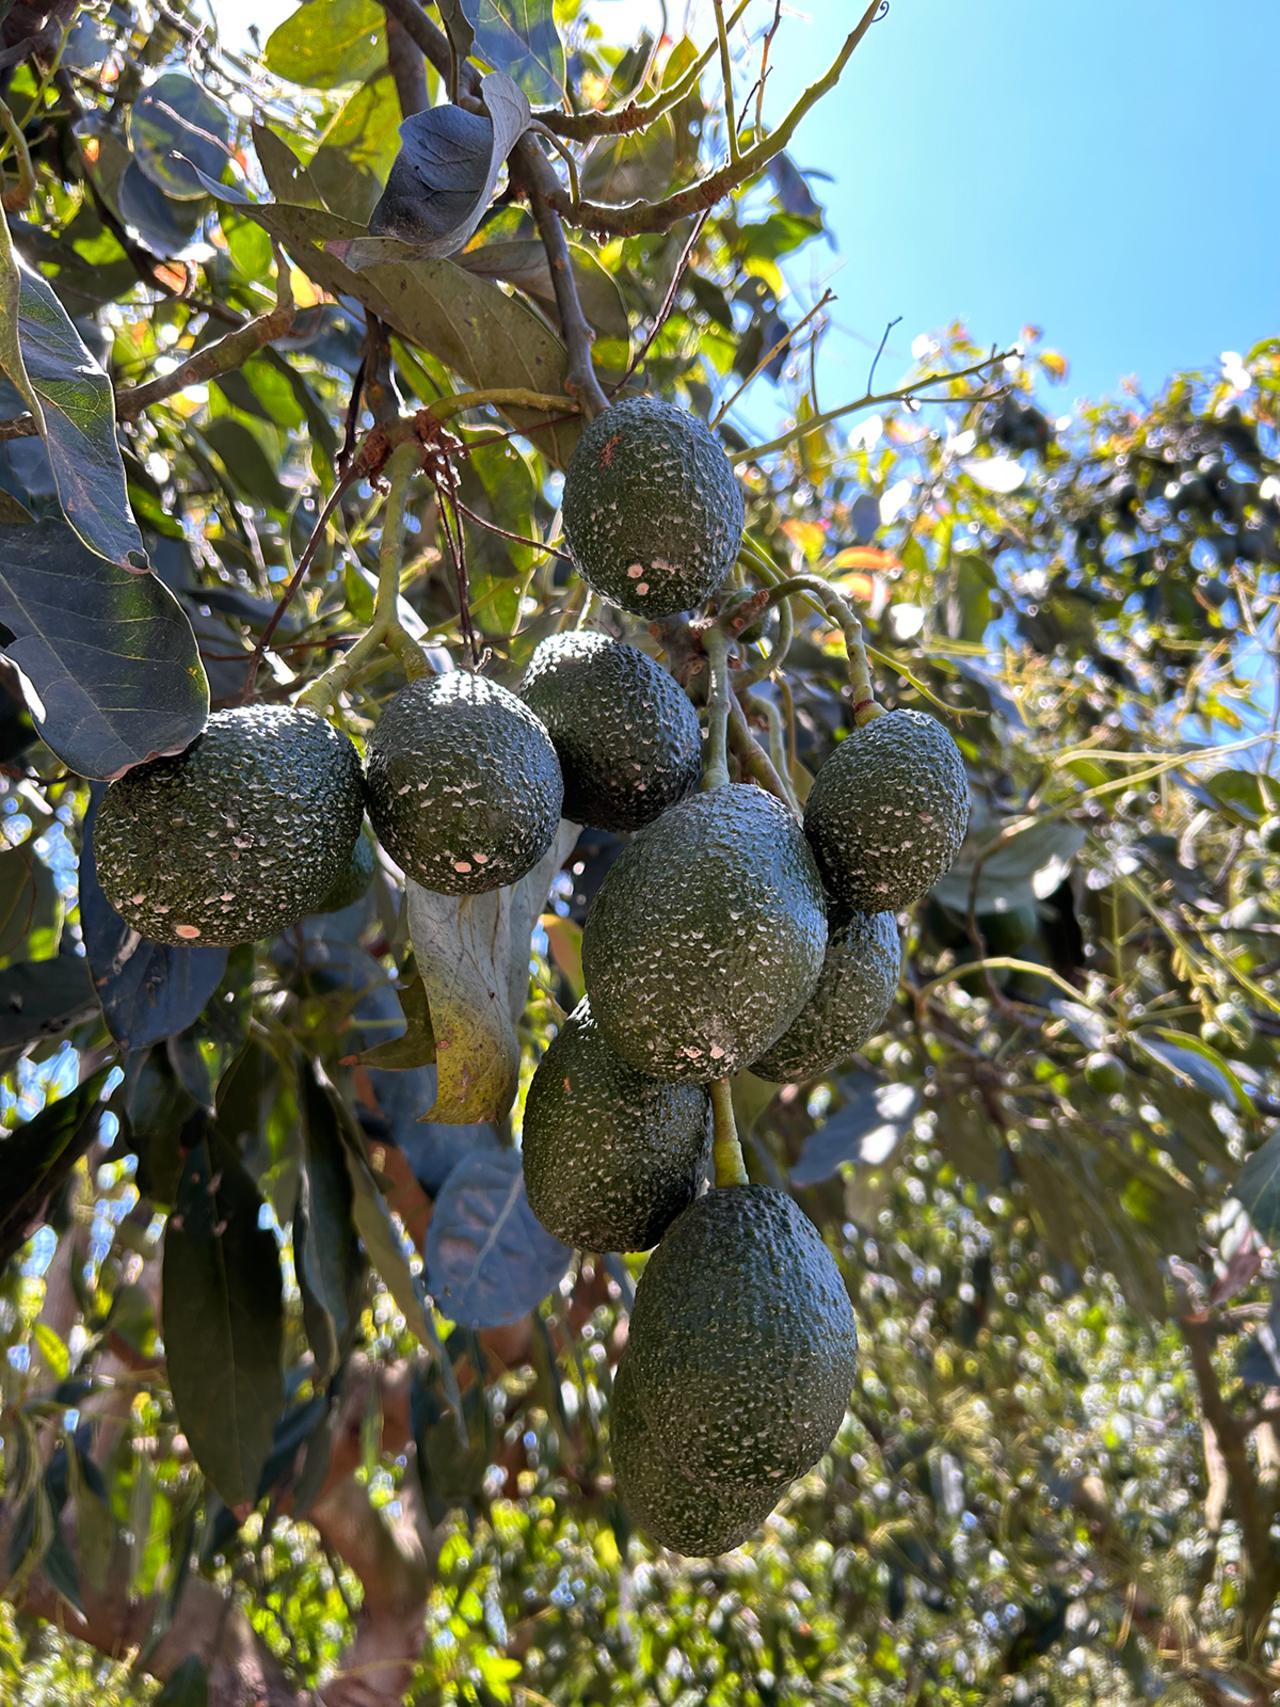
(888, 811)
(611, 1156)
(237, 837)
(627, 737)
(742, 1342)
(355, 877)
(690, 1515)
(653, 512)
(1104, 1073)
(848, 1005)
(706, 937)
(464, 784)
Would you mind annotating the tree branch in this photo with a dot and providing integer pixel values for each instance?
(224, 355)
(542, 187)
(632, 217)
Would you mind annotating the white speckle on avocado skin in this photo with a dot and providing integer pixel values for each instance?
(625, 732)
(653, 512)
(239, 836)
(465, 790)
(888, 811)
(707, 936)
(740, 1357)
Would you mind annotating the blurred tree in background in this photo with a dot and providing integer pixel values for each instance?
(1053, 1183)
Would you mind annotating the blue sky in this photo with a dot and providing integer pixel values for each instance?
(1106, 169)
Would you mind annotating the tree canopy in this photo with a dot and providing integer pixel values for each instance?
(301, 1404)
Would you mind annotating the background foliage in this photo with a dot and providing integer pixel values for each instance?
(366, 1454)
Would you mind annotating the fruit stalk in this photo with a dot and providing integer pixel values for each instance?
(841, 612)
(726, 1148)
(715, 767)
(386, 626)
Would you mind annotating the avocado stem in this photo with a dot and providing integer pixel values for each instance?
(715, 764)
(824, 597)
(386, 627)
(726, 1149)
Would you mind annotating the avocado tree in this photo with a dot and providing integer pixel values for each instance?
(315, 467)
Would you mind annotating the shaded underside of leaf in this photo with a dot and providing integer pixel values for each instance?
(110, 653)
(223, 1317)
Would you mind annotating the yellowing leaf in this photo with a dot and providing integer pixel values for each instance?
(1055, 364)
(809, 536)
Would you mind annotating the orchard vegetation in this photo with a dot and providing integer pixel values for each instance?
(288, 394)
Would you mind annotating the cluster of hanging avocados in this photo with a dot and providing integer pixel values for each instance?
(727, 935)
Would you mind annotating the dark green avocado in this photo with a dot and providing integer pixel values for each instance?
(848, 1006)
(464, 784)
(706, 937)
(355, 878)
(611, 1156)
(653, 511)
(627, 736)
(888, 812)
(742, 1343)
(689, 1515)
(236, 838)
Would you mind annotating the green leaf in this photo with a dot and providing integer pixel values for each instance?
(358, 149)
(374, 1223)
(416, 1046)
(223, 1321)
(95, 1526)
(28, 898)
(520, 37)
(326, 43)
(522, 261)
(53, 1349)
(487, 337)
(447, 167)
(188, 1686)
(1259, 1189)
(70, 397)
(36, 1156)
(174, 126)
(1025, 869)
(326, 1255)
(1193, 1063)
(473, 956)
(110, 653)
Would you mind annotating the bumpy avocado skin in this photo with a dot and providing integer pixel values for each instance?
(355, 878)
(691, 1516)
(626, 735)
(888, 812)
(464, 784)
(742, 1341)
(853, 993)
(611, 1156)
(707, 936)
(653, 512)
(238, 837)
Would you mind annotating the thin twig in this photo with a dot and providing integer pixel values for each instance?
(765, 46)
(542, 187)
(24, 189)
(224, 355)
(633, 217)
(875, 360)
(516, 538)
(726, 78)
(773, 350)
(452, 530)
(669, 300)
(904, 393)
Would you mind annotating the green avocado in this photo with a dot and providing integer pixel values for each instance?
(627, 737)
(1104, 1073)
(653, 512)
(848, 1006)
(239, 836)
(706, 937)
(742, 1343)
(464, 784)
(355, 878)
(888, 812)
(689, 1515)
(611, 1156)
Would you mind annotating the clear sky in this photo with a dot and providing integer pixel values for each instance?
(1106, 169)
